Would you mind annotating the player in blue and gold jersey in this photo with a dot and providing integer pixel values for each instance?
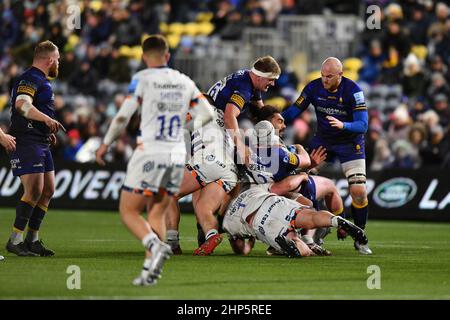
(342, 121)
(33, 126)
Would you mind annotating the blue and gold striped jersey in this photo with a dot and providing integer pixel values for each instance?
(33, 83)
(342, 104)
(236, 88)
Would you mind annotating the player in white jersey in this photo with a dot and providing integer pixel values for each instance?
(212, 167)
(273, 219)
(155, 170)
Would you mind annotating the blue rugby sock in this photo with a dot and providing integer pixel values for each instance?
(360, 214)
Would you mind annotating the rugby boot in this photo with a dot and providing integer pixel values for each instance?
(208, 246)
(37, 247)
(19, 249)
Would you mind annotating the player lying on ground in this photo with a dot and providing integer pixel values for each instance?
(155, 169)
(273, 219)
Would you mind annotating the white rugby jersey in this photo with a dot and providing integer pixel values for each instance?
(165, 96)
(246, 203)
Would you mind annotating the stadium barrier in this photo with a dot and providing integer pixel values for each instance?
(393, 194)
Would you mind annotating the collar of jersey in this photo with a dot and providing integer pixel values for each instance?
(38, 70)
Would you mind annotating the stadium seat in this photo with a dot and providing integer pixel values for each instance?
(279, 102)
(204, 16)
(205, 28)
(164, 28)
(191, 29)
(176, 28)
(173, 40)
(351, 74)
(352, 64)
(313, 75)
(95, 5)
(421, 52)
(125, 51)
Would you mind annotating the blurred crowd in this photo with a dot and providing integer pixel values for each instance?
(410, 49)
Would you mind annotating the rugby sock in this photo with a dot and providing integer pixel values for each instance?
(16, 236)
(334, 221)
(24, 210)
(146, 268)
(211, 233)
(149, 240)
(173, 238)
(35, 222)
(360, 214)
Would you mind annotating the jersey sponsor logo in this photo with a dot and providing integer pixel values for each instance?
(300, 100)
(171, 96)
(14, 163)
(210, 157)
(359, 97)
(23, 89)
(293, 159)
(166, 86)
(148, 166)
(395, 192)
(238, 100)
(332, 111)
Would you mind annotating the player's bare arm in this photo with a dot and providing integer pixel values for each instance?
(24, 104)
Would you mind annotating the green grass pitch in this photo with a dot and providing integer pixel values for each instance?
(413, 257)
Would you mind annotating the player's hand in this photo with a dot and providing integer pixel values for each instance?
(341, 234)
(54, 125)
(52, 139)
(100, 154)
(8, 141)
(335, 123)
(318, 156)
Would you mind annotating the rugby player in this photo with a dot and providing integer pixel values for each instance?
(212, 167)
(273, 219)
(342, 121)
(155, 170)
(33, 126)
(315, 187)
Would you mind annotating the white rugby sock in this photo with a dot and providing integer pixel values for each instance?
(211, 233)
(334, 221)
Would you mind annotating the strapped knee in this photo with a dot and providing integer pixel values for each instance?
(357, 178)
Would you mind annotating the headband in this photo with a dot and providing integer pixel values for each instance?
(269, 75)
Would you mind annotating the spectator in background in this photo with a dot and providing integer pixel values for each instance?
(234, 27)
(119, 69)
(9, 30)
(442, 109)
(223, 8)
(257, 18)
(56, 36)
(434, 153)
(73, 146)
(396, 38)
(383, 158)
(418, 25)
(69, 64)
(372, 63)
(84, 80)
(414, 79)
(438, 86)
(400, 125)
